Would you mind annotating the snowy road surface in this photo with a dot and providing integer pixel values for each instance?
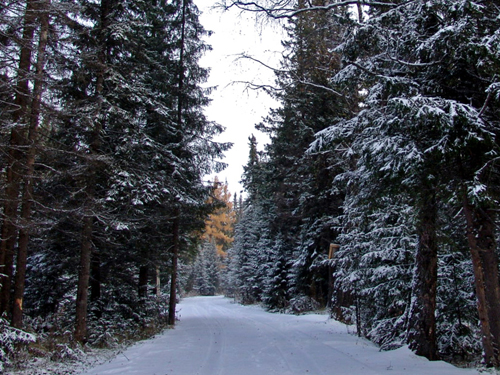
(217, 337)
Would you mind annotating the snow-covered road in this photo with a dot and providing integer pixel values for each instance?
(217, 337)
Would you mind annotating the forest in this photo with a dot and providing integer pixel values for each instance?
(375, 199)
(105, 150)
(377, 196)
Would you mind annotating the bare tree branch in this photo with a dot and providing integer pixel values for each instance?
(248, 57)
(286, 9)
(270, 88)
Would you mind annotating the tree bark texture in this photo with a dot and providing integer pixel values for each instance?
(482, 246)
(143, 282)
(95, 282)
(95, 275)
(83, 281)
(15, 157)
(27, 199)
(422, 322)
(173, 279)
(175, 230)
(157, 282)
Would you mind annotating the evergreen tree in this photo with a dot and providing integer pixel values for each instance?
(297, 184)
(372, 269)
(416, 122)
(422, 142)
(21, 113)
(275, 285)
(207, 270)
(457, 316)
(244, 271)
(294, 188)
(125, 150)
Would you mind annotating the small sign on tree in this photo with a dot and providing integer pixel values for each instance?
(333, 248)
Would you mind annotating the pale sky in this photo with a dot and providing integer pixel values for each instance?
(234, 107)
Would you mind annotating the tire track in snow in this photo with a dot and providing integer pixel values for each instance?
(307, 353)
(267, 347)
(293, 354)
(276, 337)
(216, 337)
(213, 362)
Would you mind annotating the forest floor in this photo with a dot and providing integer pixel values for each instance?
(217, 337)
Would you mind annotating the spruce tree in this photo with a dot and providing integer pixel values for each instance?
(207, 270)
(120, 164)
(416, 124)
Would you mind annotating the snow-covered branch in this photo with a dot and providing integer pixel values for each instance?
(329, 89)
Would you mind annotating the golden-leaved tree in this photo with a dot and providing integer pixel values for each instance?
(219, 227)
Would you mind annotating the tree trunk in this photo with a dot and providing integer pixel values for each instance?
(360, 11)
(83, 281)
(93, 170)
(95, 282)
(143, 282)
(157, 282)
(422, 323)
(482, 246)
(175, 230)
(27, 200)
(14, 158)
(173, 280)
(95, 275)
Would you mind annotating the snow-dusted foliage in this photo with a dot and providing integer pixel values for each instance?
(276, 272)
(457, 318)
(206, 270)
(119, 165)
(384, 148)
(456, 315)
(290, 239)
(244, 271)
(372, 268)
(426, 71)
(10, 341)
(405, 106)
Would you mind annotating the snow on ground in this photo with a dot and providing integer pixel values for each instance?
(217, 337)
